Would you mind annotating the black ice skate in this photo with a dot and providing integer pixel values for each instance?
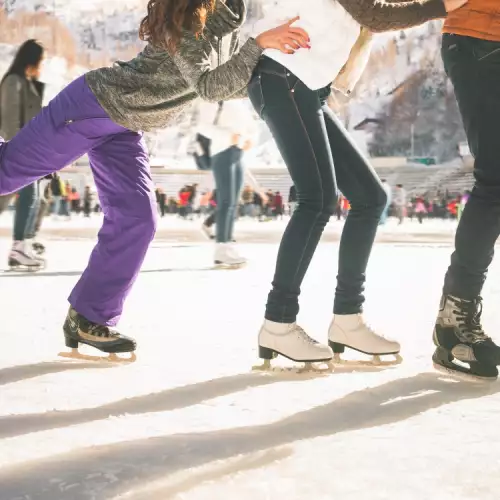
(463, 349)
(79, 330)
(38, 248)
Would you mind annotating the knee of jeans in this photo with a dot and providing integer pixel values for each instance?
(310, 205)
(225, 205)
(380, 201)
(330, 203)
(375, 203)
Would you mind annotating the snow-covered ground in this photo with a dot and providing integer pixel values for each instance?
(191, 421)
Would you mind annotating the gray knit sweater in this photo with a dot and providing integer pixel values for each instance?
(150, 91)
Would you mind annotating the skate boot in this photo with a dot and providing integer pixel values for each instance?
(462, 347)
(79, 330)
(207, 231)
(226, 257)
(292, 342)
(21, 258)
(351, 331)
(37, 247)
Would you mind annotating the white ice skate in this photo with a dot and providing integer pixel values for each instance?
(351, 331)
(291, 341)
(21, 258)
(226, 257)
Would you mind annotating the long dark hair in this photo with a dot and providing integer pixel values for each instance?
(30, 53)
(166, 19)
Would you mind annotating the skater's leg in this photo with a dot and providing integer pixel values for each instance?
(42, 211)
(210, 220)
(298, 127)
(222, 167)
(385, 212)
(473, 66)
(360, 184)
(238, 177)
(21, 254)
(29, 232)
(5, 201)
(293, 114)
(67, 128)
(123, 180)
(25, 204)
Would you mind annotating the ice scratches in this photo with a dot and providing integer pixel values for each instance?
(215, 471)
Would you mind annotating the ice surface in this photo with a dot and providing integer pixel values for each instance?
(190, 421)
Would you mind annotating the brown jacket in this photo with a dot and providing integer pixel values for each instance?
(477, 18)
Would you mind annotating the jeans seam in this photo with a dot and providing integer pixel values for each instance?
(489, 54)
(322, 197)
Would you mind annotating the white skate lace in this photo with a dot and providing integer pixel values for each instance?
(301, 333)
(373, 331)
(468, 314)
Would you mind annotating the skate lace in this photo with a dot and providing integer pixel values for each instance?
(303, 335)
(372, 330)
(468, 314)
(100, 331)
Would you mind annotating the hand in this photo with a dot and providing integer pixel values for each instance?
(235, 139)
(247, 145)
(285, 38)
(451, 5)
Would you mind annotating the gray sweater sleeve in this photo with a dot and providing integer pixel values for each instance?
(192, 58)
(387, 15)
(10, 106)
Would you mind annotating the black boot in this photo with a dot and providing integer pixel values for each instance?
(79, 330)
(459, 336)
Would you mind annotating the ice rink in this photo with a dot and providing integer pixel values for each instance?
(191, 421)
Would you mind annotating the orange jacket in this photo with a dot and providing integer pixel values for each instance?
(477, 18)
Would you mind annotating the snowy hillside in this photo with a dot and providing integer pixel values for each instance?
(91, 33)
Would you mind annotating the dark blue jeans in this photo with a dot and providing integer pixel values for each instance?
(473, 66)
(228, 174)
(320, 156)
(26, 211)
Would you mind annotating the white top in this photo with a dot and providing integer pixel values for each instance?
(235, 118)
(332, 31)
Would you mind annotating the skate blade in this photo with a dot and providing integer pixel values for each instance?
(111, 358)
(319, 368)
(25, 269)
(462, 376)
(376, 361)
(229, 267)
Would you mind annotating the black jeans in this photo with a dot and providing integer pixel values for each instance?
(473, 66)
(228, 174)
(24, 217)
(319, 155)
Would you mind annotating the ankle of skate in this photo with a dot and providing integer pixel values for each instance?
(292, 342)
(78, 330)
(462, 347)
(350, 331)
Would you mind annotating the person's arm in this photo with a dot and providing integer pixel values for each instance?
(383, 15)
(192, 58)
(10, 106)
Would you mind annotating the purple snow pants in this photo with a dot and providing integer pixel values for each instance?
(71, 125)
